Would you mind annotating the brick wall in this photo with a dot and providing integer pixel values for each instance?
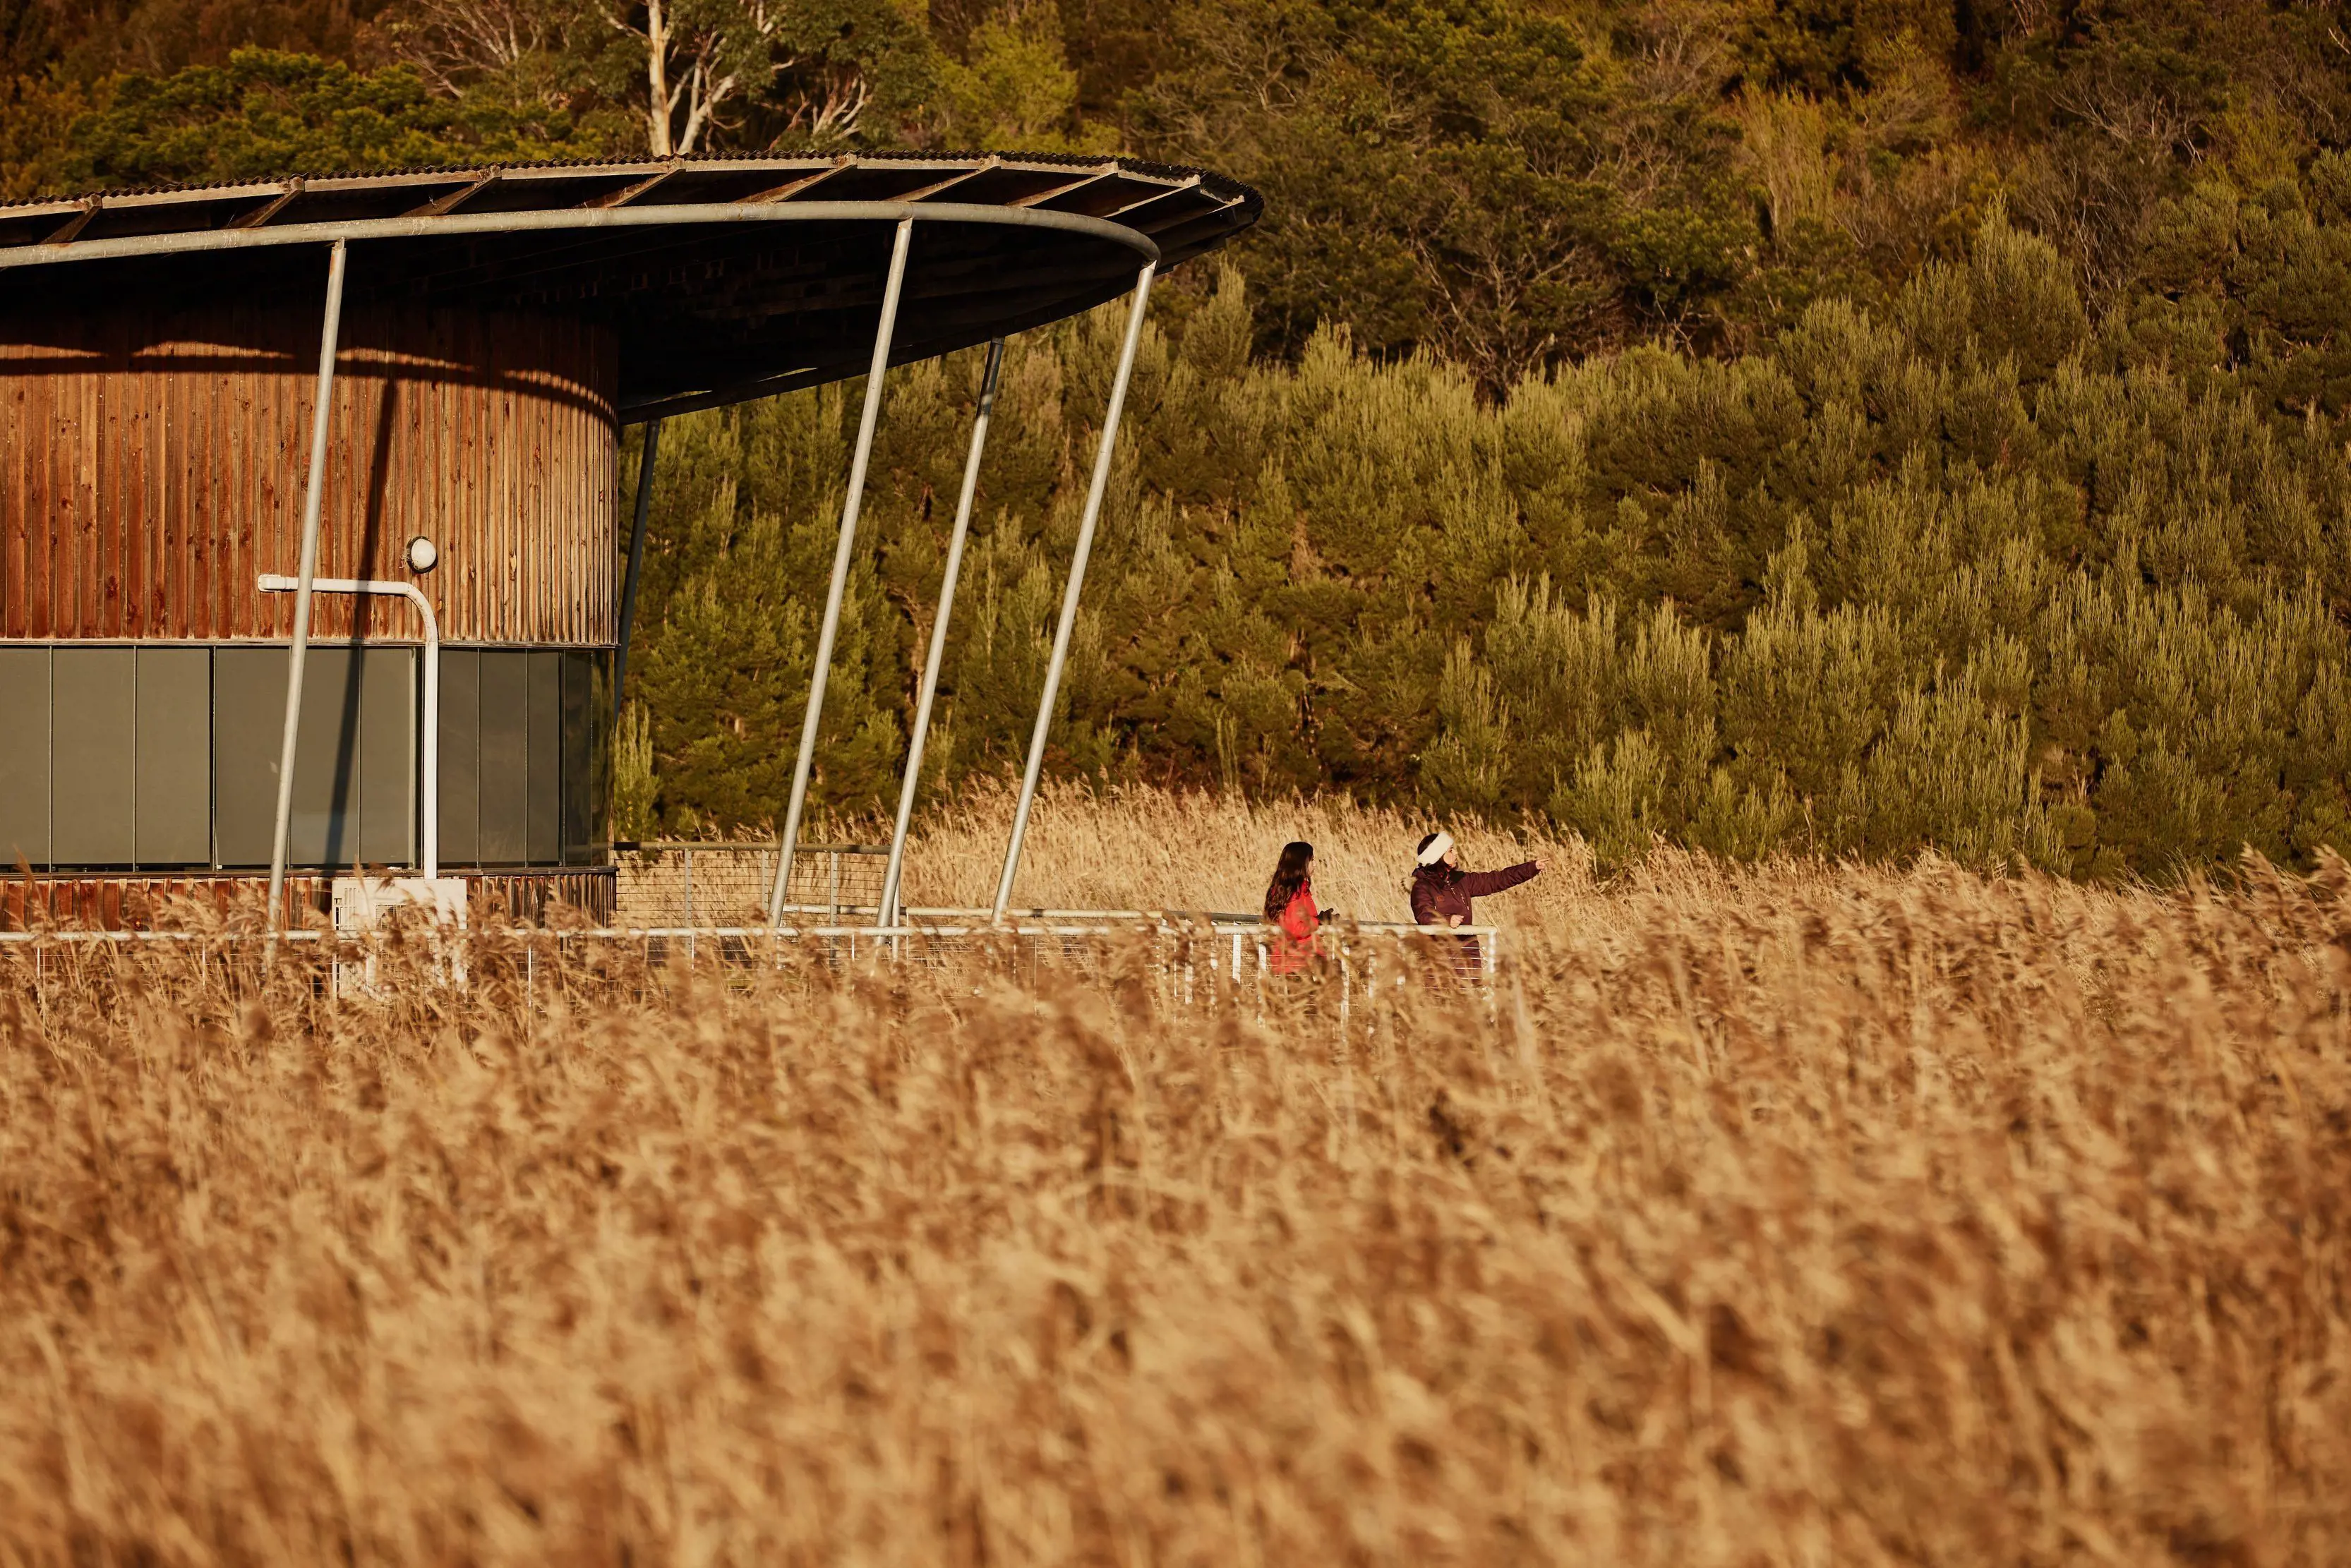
(727, 884)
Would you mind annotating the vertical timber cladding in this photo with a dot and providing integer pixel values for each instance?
(152, 466)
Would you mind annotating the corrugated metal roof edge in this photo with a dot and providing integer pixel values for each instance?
(1222, 183)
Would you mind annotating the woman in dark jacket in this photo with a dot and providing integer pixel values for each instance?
(1441, 891)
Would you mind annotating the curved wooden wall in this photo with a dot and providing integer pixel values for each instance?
(152, 465)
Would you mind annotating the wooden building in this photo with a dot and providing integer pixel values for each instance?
(159, 376)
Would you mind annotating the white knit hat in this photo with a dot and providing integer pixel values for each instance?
(1438, 848)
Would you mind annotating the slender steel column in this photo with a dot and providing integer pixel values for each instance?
(636, 563)
(888, 914)
(311, 501)
(841, 555)
(1077, 584)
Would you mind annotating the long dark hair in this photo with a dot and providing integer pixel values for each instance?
(1289, 877)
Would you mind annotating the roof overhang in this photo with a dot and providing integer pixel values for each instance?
(723, 279)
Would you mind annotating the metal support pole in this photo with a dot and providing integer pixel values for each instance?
(430, 765)
(311, 502)
(888, 914)
(1077, 584)
(636, 563)
(841, 555)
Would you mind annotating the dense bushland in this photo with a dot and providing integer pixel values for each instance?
(1817, 423)
(1507, 183)
(1970, 568)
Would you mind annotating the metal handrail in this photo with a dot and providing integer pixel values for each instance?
(742, 846)
(1060, 924)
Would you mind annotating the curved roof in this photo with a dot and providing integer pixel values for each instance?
(724, 278)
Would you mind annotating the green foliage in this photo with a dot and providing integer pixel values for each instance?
(265, 113)
(1441, 175)
(1017, 90)
(1970, 571)
(1840, 424)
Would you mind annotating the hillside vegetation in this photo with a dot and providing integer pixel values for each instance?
(1968, 570)
(1839, 425)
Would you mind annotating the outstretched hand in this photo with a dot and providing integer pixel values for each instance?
(1327, 916)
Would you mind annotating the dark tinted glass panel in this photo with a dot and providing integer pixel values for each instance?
(579, 757)
(325, 829)
(174, 742)
(600, 757)
(24, 756)
(248, 725)
(503, 787)
(544, 826)
(93, 763)
(461, 696)
(358, 720)
(388, 758)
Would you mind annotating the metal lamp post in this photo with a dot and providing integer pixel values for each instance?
(429, 789)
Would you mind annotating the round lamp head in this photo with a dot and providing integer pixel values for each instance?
(424, 555)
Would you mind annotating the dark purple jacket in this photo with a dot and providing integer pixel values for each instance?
(1438, 892)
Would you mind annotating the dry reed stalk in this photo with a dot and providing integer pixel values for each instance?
(1803, 1216)
(1150, 849)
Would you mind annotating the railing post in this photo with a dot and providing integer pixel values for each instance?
(312, 500)
(1142, 298)
(842, 553)
(887, 914)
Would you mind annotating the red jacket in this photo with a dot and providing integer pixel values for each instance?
(1439, 890)
(1296, 948)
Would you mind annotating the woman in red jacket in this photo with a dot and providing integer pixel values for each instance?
(1441, 891)
(1290, 905)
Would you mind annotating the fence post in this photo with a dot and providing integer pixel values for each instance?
(1346, 991)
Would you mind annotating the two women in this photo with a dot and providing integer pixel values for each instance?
(1441, 895)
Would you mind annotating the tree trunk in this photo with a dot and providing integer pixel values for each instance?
(657, 100)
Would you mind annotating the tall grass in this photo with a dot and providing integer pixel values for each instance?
(1794, 1216)
(1155, 849)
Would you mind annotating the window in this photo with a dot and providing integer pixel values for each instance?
(354, 756)
(102, 757)
(165, 757)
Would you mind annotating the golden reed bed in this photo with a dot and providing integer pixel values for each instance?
(1804, 1216)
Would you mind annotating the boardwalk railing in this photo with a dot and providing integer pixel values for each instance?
(1196, 955)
